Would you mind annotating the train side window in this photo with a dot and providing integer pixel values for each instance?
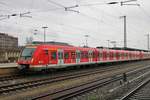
(94, 55)
(46, 52)
(108, 54)
(100, 54)
(53, 55)
(82, 54)
(86, 55)
(66, 55)
(73, 55)
(125, 55)
(89, 54)
(114, 54)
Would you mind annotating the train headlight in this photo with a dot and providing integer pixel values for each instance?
(32, 60)
(40, 62)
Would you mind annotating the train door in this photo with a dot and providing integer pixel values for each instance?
(100, 55)
(104, 55)
(45, 57)
(60, 56)
(95, 55)
(78, 55)
(90, 55)
(73, 57)
(107, 55)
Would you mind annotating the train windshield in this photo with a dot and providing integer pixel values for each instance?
(28, 52)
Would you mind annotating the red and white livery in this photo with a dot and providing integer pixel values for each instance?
(42, 57)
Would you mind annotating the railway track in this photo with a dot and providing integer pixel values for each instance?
(4, 89)
(7, 89)
(141, 92)
(10, 77)
(18, 76)
(29, 84)
(70, 92)
(76, 90)
(7, 78)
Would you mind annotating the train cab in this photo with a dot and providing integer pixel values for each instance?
(26, 57)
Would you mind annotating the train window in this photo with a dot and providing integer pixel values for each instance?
(117, 54)
(124, 55)
(111, 54)
(100, 54)
(114, 54)
(28, 52)
(46, 52)
(59, 55)
(82, 54)
(73, 55)
(94, 55)
(104, 54)
(90, 54)
(66, 55)
(53, 55)
(107, 54)
(86, 55)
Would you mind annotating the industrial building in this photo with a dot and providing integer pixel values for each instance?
(7, 41)
(9, 50)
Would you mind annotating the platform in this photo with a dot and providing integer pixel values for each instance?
(8, 68)
(8, 65)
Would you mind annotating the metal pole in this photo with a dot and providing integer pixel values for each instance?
(148, 41)
(114, 43)
(86, 43)
(108, 43)
(125, 32)
(44, 33)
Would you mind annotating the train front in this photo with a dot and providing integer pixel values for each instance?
(26, 58)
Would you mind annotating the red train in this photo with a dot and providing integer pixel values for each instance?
(42, 57)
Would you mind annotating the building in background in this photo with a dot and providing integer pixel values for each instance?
(9, 49)
(7, 41)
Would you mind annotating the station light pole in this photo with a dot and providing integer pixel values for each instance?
(125, 32)
(86, 40)
(35, 32)
(114, 43)
(44, 27)
(147, 41)
(108, 43)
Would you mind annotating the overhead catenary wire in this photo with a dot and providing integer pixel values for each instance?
(88, 16)
(55, 3)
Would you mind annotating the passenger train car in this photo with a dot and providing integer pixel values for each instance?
(42, 57)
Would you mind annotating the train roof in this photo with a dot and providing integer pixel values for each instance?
(127, 49)
(50, 43)
(70, 47)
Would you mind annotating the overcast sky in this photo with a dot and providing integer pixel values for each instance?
(96, 18)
